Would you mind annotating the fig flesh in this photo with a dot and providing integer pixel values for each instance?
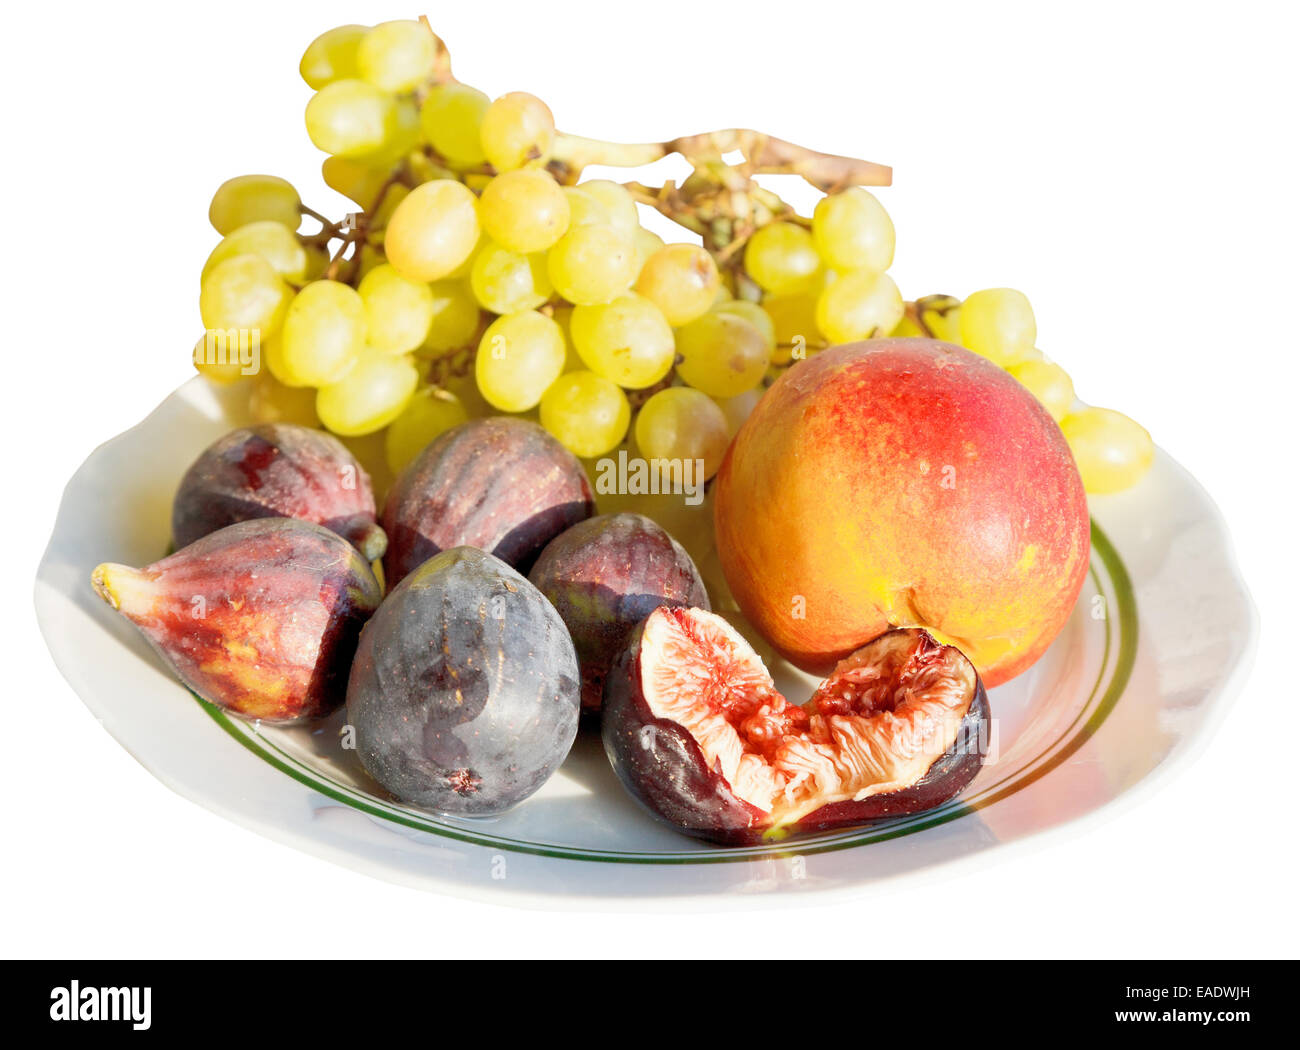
(278, 470)
(697, 731)
(464, 691)
(604, 576)
(260, 618)
(500, 484)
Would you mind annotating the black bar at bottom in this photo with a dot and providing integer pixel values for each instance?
(483, 1000)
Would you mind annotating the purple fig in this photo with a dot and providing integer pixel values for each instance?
(604, 576)
(502, 485)
(278, 470)
(261, 617)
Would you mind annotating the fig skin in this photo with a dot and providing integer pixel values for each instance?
(260, 618)
(464, 691)
(278, 470)
(665, 770)
(604, 576)
(500, 484)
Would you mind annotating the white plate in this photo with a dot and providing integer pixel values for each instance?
(1162, 637)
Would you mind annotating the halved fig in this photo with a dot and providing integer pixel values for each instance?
(697, 731)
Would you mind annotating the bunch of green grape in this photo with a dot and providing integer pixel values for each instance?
(1111, 450)
(473, 282)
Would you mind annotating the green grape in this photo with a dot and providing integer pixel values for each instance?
(794, 320)
(647, 243)
(854, 232)
(563, 316)
(754, 314)
(525, 211)
(422, 167)
(682, 280)
(506, 282)
(938, 316)
(519, 356)
(274, 242)
(371, 257)
(369, 396)
(907, 328)
(350, 118)
(782, 258)
(586, 413)
(254, 198)
(455, 318)
(324, 334)
(584, 209)
(243, 294)
(517, 129)
(942, 313)
(465, 388)
(273, 356)
(859, 305)
(318, 261)
(1111, 450)
(227, 357)
(1048, 382)
(273, 402)
(998, 323)
(398, 56)
(451, 117)
(739, 408)
(462, 271)
(398, 311)
(432, 231)
(591, 264)
(358, 181)
(617, 202)
(682, 424)
(430, 412)
(331, 56)
(403, 135)
(377, 231)
(628, 340)
(369, 452)
(722, 354)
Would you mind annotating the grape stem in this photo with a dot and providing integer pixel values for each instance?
(914, 313)
(305, 210)
(721, 202)
(358, 232)
(442, 64)
(762, 154)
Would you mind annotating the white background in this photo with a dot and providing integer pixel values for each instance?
(1131, 167)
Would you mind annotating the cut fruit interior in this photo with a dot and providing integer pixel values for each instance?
(876, 725)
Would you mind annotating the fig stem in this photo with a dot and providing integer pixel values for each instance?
(127, 590)
(99, 579)
(372, 543)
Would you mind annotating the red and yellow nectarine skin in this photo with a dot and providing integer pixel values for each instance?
(903, 483)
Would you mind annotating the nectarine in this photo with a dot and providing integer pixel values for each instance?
(903, 483)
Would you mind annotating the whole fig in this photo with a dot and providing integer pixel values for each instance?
(278, 470)
(464, 691)
(261, 617)
(502, 485)
(604, 576)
